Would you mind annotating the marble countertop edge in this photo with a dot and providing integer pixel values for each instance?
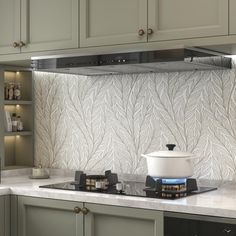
(221, 203)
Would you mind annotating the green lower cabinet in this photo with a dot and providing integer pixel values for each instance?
(4, 216)
(46, 217)
(102, 220)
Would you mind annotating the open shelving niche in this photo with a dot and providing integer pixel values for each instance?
(17, 148)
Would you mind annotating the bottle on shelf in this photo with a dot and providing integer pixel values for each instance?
(6, 91)
(14, 122)
(11, 91)
(19, 124)
(17, 91)
(7, 121)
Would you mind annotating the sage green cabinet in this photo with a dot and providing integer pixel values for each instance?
(4, 216)
(49, 24)
(232, 18)
(110, 22)
(171, 19)
(104, 220)
(32, 25)
(46, 217)
(9, 25)
(17, 148)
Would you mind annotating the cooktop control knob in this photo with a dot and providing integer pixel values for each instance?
(119, 187)
(100, 185)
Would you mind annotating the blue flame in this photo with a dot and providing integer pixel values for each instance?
(172, 181)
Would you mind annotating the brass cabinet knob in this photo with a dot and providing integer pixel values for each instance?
(85, 210)
(15, 45)
(141, 32)
(77, 210)
(150, 31)
(22, 44)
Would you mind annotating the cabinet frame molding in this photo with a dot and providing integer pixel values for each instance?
(22, 154)
(187, 33)
(156, 216)
(105, 40)
(9, 49)
(73, 42)
(24, 202)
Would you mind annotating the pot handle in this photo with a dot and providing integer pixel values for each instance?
(170, 146)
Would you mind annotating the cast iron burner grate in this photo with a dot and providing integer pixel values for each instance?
(152, 188)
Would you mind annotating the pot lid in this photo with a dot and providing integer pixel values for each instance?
(170, 153)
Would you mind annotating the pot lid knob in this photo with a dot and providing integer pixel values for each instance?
(170, 146)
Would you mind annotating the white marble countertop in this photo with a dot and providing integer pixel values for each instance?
(221, 202)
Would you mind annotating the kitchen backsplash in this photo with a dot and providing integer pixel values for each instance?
(107, 122)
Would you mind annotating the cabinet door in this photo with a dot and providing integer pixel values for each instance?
(180, 227)
(232, 18)
(216, 229)
(9, 26)
(109, 220)
(49, 24)
(46, 217)
(110, 22)
(171, 19)
(4, 216)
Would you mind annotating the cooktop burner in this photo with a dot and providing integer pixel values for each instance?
(153, 188)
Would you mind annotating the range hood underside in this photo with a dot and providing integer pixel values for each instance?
(138, 62)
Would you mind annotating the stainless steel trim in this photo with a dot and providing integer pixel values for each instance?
(135, 62)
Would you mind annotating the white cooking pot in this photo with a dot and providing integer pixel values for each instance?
(169, 164)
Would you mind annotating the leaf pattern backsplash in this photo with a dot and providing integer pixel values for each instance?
(107, 122)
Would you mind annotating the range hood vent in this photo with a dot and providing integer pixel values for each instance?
(134, 62)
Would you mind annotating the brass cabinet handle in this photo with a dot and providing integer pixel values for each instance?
(141, 32)
(15, 45)
(77, 210)
(85, 210)
(22, 44)
(150, 31)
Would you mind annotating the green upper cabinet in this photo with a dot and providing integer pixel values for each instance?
(182, 19)
(9, 25)
(232, 18)
(110, 22)
(43, 25)
(32, 25)
(104, 220)
(49, 24)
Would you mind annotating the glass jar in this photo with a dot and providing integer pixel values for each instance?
(11, 91)
(17, 91)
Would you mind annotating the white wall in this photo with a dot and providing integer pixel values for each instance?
(99, 123)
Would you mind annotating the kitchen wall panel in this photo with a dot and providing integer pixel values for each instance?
(106, 122)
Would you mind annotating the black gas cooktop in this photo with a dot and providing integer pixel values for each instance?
(152, 188)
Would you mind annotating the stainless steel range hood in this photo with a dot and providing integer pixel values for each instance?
(135, 62)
